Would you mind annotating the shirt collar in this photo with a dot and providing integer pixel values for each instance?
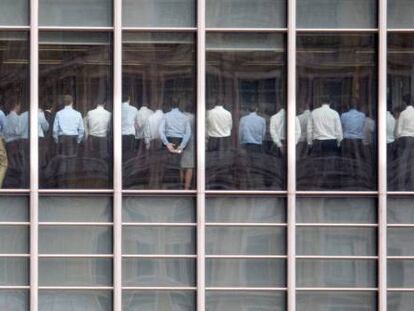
(254, 113)
(175, 110)
(68, 107)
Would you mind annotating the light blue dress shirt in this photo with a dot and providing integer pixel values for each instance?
(13, 127)
(128, 113)
(43, 125)
(2, 122)
(68, 122)
(252, 129)
(353, 123)
(175, 124)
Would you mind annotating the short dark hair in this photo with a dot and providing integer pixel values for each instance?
(67, 100)
(253, 108)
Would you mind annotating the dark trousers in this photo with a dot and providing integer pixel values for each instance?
(128, 147)
(323, 170)
(98, 147)
(172, 167)
(68, 145)
(254, 177)
(219, 163)
(356, 172)
(218, 143)
(321, 148)
(155, 161)
(18, 172)
(276, 170)
(405, 165)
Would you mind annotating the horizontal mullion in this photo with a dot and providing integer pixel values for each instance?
(246, 289)
(242, 29)
(75, 287)
(400, 193)
(400, 225)
(356, 30)
(14, 191)
(4, 287)
(159, 224)
(400, 257)
(75, 191)
(160, 29)
(337, 257)
(335, 225)
(147, 192)
(339, 289)
(242, 224)
(160, 288)
(335, 193)
(14, 255)
(156, 256)
(14, 223)
(74, 223)
(244, 193)
(76, 28)
(14, 28)
(400, 29)
(84, 256)
(400, 289)
(246, 256)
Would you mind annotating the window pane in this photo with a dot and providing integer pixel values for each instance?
(337, 14)
(158, 110)
(400, 15)
(245, 272)
(338, 301)
(158, 300)
(14, 240)
(159, 240)
(14, 109)
(400, 273)
(14, 208)
(75, 240)
(159, 272)
(75, 272)
(336, 273)
(76, 97)
(336, 241)
(337, 100)
(75, 209)
(245, 118)
(246, 14)
(400, 210)
(79, 13)
(14, 13)
(336, 210)
(246, 301)
(158, 209)
(245, 209)
(14, 271)
(14, 300)
(400, 242)
(158, 13)
(50, 300)
(246, 241)
(400, 301)
(400, 115)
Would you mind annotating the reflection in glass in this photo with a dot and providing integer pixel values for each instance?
(400, 301)
(245, 272)
(158, 300)
(335, 300)
(14, 271)
(14, 13)
(246, 209)
(14, 208)
(336, 273)
(400, 210)
(75, 272)
(337, 100)
(14, 300)
(400, 273)
(14, 239)
(246, 13)
(159, 272)
(158, 13)
(14, 107)
(345, 210)
(337, 13)
(75, 300)
(333, 241)
(158, 110)
(245, 120)
(400, 14)
(400, 241)
(75, 13)
(246, 301)
(76, 97)
(400, 114)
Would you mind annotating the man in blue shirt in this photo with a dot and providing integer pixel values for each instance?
(3, 153)
(252, 131)
(68, 129)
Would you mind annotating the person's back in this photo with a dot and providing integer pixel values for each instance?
(68, 122)
(252, 129)
(98, 122)
(219, 122)
(405, 125)
(353, 123)
(325, 124)
(129, 114)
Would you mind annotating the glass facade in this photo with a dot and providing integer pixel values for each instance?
(217, 155)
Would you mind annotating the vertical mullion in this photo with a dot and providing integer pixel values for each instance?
(291, 156)
(201, 90)
(34, 163)
(117, 154)
(382, 156)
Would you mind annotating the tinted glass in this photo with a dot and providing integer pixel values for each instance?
(400, 273)
(75, 300)
(14, 208)
(75, 81)
(14, 239)
(14, 109)
(246, 13)
(336, 103)
(14, 12)
(14, 271)
(158, 13)
(245, 117)
(158, 111)
(400, 14)
(14, 300)
(157, 300)
(400, 210)
(75, 13)
(337, 13)
(400, 114)
(400, 301)
(338, 301)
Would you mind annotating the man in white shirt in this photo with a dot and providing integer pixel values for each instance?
(129, 114)
(324, 131)
(97, 129)
(302, 145)
(141, 118)
(219, 123)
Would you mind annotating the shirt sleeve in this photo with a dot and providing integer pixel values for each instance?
(81, 129)
(147, 133)
(274, 131)
(55, 132)
(309, 130)
(298, 130)
(241, 125)
(187, 135)
(338, 129)
(399, 127)
(43, 122)
(162, 132)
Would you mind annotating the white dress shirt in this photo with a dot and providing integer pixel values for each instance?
(152, 125)
(142, 115)
(405, 124)
(390, 128)
(277, 128)
(219, 122)
(98, 122)
(129, 114)
(304, 118)
(324, 124)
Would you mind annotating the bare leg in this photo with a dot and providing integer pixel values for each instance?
(188, 177)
